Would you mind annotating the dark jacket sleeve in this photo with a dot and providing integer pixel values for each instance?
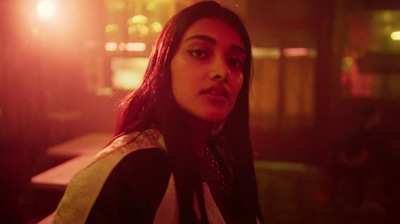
(134, 189)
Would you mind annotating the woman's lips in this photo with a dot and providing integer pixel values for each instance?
(216, 93)
(217, 90)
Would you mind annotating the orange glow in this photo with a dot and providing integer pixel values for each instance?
(296, 52)
(46, 9)
(122, 47)
(111, 46)
(128, 72)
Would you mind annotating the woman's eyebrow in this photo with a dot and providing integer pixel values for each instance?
(202, 37)
(237, 48)
(214, 42)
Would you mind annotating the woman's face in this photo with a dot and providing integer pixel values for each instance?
(207, 69)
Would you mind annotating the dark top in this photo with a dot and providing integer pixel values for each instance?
(134, 189)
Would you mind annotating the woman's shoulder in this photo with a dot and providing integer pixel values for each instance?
(143, 159)
(132, 152)
(128, 159)
(134, 141)
(134, 188)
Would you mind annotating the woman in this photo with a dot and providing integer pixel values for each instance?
(182, 151)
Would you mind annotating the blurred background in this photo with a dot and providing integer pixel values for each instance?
(326, 72)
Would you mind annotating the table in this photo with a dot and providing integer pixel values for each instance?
(58, 177)
(86, 144)
(79, 152)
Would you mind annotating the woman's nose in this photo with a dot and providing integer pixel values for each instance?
(220, 71)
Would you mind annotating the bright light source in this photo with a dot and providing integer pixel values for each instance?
(156, 26)
(111, 28)
(295, 52)
(395, 35)
(259, 52)
(46, 9)
(136, 47)
(111, 46)
(141, 19)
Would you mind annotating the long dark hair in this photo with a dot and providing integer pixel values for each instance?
(153, 105)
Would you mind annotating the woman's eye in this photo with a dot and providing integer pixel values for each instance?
(235, 63)
(198, 53)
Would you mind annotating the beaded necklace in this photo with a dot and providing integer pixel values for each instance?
(215, 173)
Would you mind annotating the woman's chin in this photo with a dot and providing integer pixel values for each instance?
(214, 117)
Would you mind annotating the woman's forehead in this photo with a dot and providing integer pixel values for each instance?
(215, 29)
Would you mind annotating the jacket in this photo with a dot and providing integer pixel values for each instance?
(130, 181)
